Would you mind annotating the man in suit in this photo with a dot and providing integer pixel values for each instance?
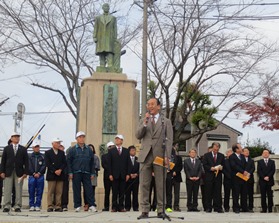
(177, 179)
(250, 167)
(213, 163)
(266, 170)
(55, 160)
(238, 164)
(193, 171)
(14, 168)
(118, 158)
(154, 130)
(106, 180)
(227, 180)
(132, 185)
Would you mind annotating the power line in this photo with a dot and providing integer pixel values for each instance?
(22, 75)
(35, 113)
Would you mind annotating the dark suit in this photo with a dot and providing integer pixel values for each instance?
(239, 185)
(192, 170)
(265, 186)
(132, 185)
(107, 182)
(227, 183)
(55, 183)
(14, 166)
(213, 183)
(250, 168)
(177, 179)
(118, 168)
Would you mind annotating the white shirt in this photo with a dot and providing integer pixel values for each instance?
(156, 117)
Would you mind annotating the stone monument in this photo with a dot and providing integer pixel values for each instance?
(109, 101)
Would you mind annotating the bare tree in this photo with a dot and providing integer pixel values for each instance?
(205, 44)
(57, 35)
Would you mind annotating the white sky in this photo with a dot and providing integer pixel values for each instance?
(62, 125)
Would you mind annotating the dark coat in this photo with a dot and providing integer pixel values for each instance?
(37, 164)
(191, 171)
(227, 170)
(10, 161)
(118, 164)
(237, 165)
(264, 171)
(208, 162)
(132, 169)
(55, 162)
(250, 168)
(177, 168)
(104, 160)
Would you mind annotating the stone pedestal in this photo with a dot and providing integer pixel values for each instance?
(91, 108)
(94, 103)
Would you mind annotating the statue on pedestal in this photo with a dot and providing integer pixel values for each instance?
(108, 47)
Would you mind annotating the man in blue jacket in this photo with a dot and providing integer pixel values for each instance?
(81, 169)
(36, 179)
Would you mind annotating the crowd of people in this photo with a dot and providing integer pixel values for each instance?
(124, 173)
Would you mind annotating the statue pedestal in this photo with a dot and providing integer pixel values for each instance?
(92, 109)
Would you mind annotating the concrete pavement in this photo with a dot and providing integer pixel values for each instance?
(103, 217)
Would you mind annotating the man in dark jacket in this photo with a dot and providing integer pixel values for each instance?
(81, 168)
(173, 181)
(250, 167)
(106, 180)
(56, 163)
(227, 180)
(193, 171)
(266, 170)
(118, 158)
(238, 165)
(14, 168)
(36, 180)
(132, 185)
(213, 163)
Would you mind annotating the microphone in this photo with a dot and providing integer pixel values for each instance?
(147, 118)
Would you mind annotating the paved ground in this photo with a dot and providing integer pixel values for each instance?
(102, 217)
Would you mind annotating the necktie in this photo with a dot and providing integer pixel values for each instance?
(15, 149)
(193, 162)
(215, 158)
(119, 150)
(153, 122)
(266, 162)
(133, 161)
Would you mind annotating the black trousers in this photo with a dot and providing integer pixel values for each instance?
(250, 193)
(227, 193)
(266, 190)
(65, 194)
(107, 186)
(132, 189)
(239, 189)
(203, 197)
(192, 193)
(118, 193)
(213, 191)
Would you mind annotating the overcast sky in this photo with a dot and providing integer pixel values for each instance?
(41, 105)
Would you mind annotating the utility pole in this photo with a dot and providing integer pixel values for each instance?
(144, 59)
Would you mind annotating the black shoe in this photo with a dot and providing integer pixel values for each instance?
(269, 211)
(220, 211)
(17, 210)
(58, 210)
(160, 215)
(136, 209)
(236, 211)
(105, 209)
(195, 210)
(227, 210)
(127, 209)
(208, 210)
(6, 210)
(263, 211)
(177, 209)
(50, 210)
(250, 211)
(189, 210)
(144, 215)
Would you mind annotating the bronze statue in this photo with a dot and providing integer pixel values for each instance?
(107, 46)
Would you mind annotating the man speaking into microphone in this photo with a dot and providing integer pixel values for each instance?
(154, 129)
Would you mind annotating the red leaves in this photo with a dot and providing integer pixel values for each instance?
(267, 113)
